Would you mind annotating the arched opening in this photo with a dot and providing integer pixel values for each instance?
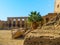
(14, 23)
(23, 23)
(47, 19)
(58, 6)
(18, 24)
(10, 24)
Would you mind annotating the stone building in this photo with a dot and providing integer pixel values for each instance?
(57, 6)
(17, 22)
(50, 16)
(14, 22)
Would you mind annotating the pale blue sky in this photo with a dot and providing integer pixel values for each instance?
(17, 8)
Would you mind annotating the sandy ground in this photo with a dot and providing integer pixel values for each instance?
(6, 38)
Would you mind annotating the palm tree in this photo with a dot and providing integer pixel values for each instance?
(34, 18)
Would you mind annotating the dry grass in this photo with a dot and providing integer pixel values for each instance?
(6, 38)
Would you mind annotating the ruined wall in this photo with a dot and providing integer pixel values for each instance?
(48, 17)
(3, 25)
(17, 22)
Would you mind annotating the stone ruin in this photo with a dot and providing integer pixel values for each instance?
(49, 34)
(53, 24)
(43, 37)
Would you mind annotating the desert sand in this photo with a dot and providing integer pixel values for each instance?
(6, 38)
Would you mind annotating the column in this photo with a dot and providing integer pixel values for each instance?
(20, 23)
(8, 23)
(25, 23)
(16, 23)
(44, 20)
(11, 23)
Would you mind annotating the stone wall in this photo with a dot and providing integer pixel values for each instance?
(48, 17)
(3, 25)
(42, 40)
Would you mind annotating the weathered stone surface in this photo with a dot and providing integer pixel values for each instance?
(53, 24)
(42, 37)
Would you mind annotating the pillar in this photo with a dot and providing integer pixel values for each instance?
(11, 23)
(8, 23)
(16, 23)
(25, 23)
(20, 23)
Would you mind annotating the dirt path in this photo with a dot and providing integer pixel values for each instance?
(6, 38)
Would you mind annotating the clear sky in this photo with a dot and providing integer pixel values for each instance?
(17, 8)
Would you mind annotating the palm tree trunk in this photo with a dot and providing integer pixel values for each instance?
(34, 25)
